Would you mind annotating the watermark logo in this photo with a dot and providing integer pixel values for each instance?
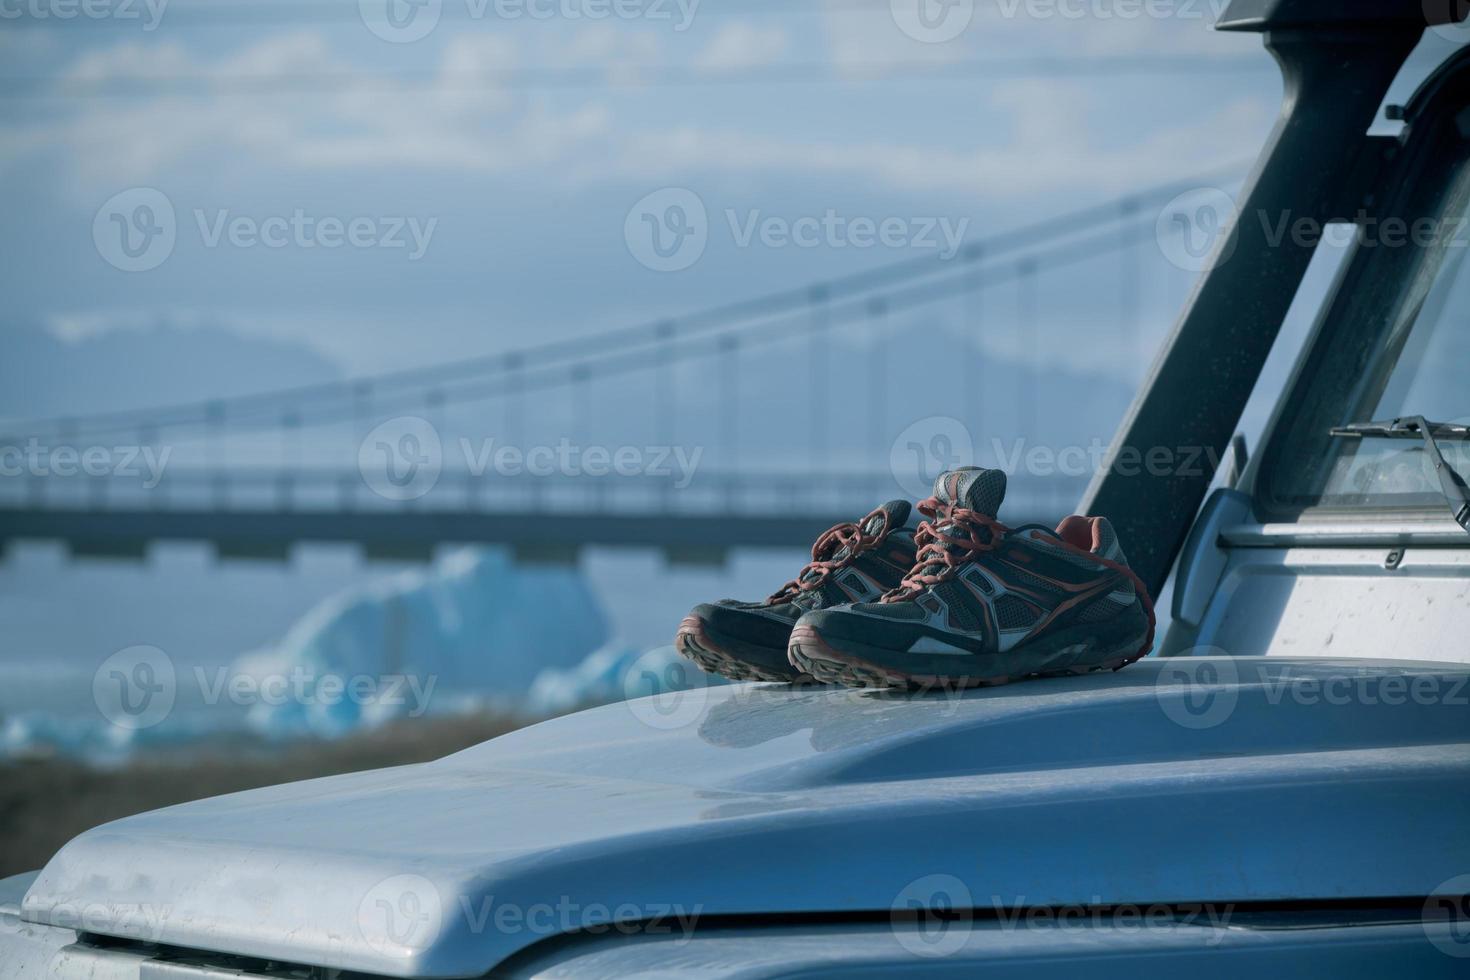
(932, 21)
(135, 688)
(931, 917)
(665, 693)
(135, 229)
(1446, 917)
(1199, 690)
(401, 915)
(400, 21)
(667, 231)
(1194, 230)
(926, 449)
(401, 459)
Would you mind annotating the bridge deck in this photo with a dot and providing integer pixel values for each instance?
(264, 515)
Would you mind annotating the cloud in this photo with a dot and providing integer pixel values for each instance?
(604, 44)
(1038, 135)
(351, 341)
(740, 45)
(463, 119)
(1051, 147)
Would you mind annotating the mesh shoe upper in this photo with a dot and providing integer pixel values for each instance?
(980, 586)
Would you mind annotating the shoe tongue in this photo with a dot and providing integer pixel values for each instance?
(972, 487)
(898, 515)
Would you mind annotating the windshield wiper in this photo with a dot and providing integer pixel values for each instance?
(1417, 427)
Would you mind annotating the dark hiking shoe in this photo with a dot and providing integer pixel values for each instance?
(850, 563)
(986, 604)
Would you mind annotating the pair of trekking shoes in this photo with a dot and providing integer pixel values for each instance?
(961, 600)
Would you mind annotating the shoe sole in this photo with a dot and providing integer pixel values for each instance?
(810, 653)
(713, 655)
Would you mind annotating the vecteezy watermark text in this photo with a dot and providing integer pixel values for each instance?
(39, 460)
(669, 229)
(300, 229)
(833, 230)
(1369, 231)
(1206, 11)
(149, 13)
(1077, 460)
(307, 687)
(1200, 228)
(137, 687)
(1201, 688)
(931, 445)
(567, 459)
(565, 915)
(137, 229)
(1337, 690)
(1017, 914)
(933, 916)
(409, 913)
(406, 21)
(136, 920)
(403, 458)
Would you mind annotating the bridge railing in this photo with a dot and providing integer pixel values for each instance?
(329, 491)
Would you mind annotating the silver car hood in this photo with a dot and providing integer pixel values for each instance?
(1173, 781)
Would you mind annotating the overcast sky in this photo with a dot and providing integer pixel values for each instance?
(524, 181)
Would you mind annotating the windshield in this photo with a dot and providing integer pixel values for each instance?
(1425, 374)
(1394, 341)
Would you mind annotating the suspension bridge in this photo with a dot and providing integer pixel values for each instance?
(533, 449)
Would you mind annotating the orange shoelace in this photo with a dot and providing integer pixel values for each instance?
(847, 535)
(946, 545)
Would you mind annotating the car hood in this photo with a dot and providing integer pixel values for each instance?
(1193, 779)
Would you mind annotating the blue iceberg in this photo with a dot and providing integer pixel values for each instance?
(475, 631)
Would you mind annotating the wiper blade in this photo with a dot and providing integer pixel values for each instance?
(1408, 427)
(1417, 427)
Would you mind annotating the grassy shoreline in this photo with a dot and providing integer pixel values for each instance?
(45, 802)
